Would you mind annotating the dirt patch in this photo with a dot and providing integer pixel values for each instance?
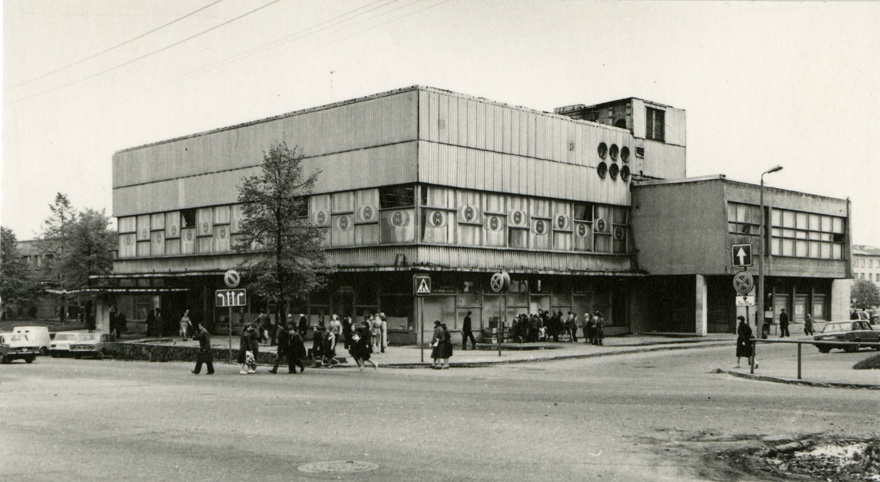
(809, 459)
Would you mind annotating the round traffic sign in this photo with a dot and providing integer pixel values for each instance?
(231, 278)
(743, 282)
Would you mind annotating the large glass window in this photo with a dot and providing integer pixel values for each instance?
(656, 124)
(743, 219)
(806, 235)
(397, 196)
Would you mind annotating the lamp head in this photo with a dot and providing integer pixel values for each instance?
(775, 168)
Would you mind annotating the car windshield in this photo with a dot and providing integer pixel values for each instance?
(88, 336)
(65, 336)
(837, 327)
(18, 338)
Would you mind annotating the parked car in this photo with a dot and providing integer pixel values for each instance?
(60, 345)
(14, 346)
(849, 331)
(89, 344)
(38, 335)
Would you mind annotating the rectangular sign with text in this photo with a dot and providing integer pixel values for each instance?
(230, 298)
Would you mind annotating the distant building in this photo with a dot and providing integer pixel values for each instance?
(578, 207)
(866, 263)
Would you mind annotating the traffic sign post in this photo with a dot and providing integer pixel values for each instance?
(742, 255)
(421, 288)
(228, 299)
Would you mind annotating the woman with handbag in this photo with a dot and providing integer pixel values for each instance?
(437, 348)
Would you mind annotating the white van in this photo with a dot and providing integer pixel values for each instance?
(38, 335)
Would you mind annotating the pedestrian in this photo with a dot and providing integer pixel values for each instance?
(588, 327)
(205, 354)
(437, 346)
(599, 330)
(744, 346)
(113, 328)
(265, 322)
(808, 325)
(329, 349)
(376, 334)
(159, 328)
(151, 322)
(335, 326)
(572, 327)
(362, 346)
(303, 326)
(346, 332)
(247, 356)
(121, 325)
(466, 333)
(447, 346)
(296, 350)
(186, 326)
(282, 351)
(316, 353)
(383, 329)
(783, 324)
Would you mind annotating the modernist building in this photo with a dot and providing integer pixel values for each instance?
(420, 180)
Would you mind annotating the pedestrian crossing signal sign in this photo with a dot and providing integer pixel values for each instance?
(422, 284)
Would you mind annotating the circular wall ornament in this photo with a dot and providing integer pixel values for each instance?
(601, 225)
(582, 230)
(205, 227)
(437, 219)
(367, 213)
(321, 218)
(399, 218)
(494, 223)
(222, 232)
(602, 149)
(189, 235)
(145, 233)
(619, 233)
(469, 213)
(128, 240)
(344, 223)
(518, 217)
(613, 151)
(540, 227)
(174, 230)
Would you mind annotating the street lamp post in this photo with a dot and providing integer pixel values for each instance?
(760, 324)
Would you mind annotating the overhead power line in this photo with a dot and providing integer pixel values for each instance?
(145, 55)
(90, 57)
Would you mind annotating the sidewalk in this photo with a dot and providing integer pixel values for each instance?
(831, 371)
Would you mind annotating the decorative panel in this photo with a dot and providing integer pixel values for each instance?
(187, 240)
(366, 206)
(157, 242)
(221, 239)
(172, 247)
(366, 234)
(439, 226)
(397, 226)
(157, 222)
(172, 224)
(221, 214)
(236, 218)
(319, 210)
(143, 228)
(205, 222)
(205, 244)
(342, 230)
(496, 230)
(343, 202)
(129, 224)
(143, 249)
(127, 247)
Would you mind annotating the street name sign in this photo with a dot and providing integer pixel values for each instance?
(745, 301)
(230, 298)
(742, 255)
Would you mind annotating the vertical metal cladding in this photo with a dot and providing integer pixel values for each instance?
(514, 150)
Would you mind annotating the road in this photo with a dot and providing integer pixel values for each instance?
(650, 416)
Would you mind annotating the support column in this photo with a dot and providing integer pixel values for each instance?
(840, 302)
(701, 308)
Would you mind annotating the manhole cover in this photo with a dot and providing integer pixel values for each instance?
(344, 466)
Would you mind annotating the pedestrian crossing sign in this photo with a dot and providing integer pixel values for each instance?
(422, 284)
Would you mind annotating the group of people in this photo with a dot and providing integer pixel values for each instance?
(547, 325)
(441, 346)
(361, 341)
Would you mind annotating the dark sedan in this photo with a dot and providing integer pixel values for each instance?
(854, 331)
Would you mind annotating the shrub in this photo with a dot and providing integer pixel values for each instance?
(870, 363)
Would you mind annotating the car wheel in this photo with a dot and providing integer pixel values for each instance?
(824, 350)
(850, 348)
(76, 357)
(29, 359)
(100, 355)
(44, 351)
(3, 359)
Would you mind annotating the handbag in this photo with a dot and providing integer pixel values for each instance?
(249, 360)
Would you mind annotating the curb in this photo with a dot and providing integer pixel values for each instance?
(640, 349)
(789, 381)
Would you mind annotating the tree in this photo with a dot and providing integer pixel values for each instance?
(287, 259)
(16, 281)
(78, 245)
(864, 294)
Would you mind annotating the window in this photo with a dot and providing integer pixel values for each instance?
(743, 219)
(806, 235)
(187, 218)
(655, 128)
(397, 196)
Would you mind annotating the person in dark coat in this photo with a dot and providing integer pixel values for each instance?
(744, 341)
(296, 350)
(447, 346)
(599, 328)
(466, 333)
(808, 325)
(248, 341)
(783, 324)
(151, 322)
(589, 324)
(437, 346)
(362, 346)
(283, 339)
(346, 332)
(303, 327)
(205, 354)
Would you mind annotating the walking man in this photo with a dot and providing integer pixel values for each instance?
(783, 324)
(205, 355)
(466, 333)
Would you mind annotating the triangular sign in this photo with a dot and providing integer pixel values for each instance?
(423, 288)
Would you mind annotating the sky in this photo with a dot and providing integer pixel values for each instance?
(763, 83)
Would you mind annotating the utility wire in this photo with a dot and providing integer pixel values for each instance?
(145, 55)
(111, 48)
(277, 43)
